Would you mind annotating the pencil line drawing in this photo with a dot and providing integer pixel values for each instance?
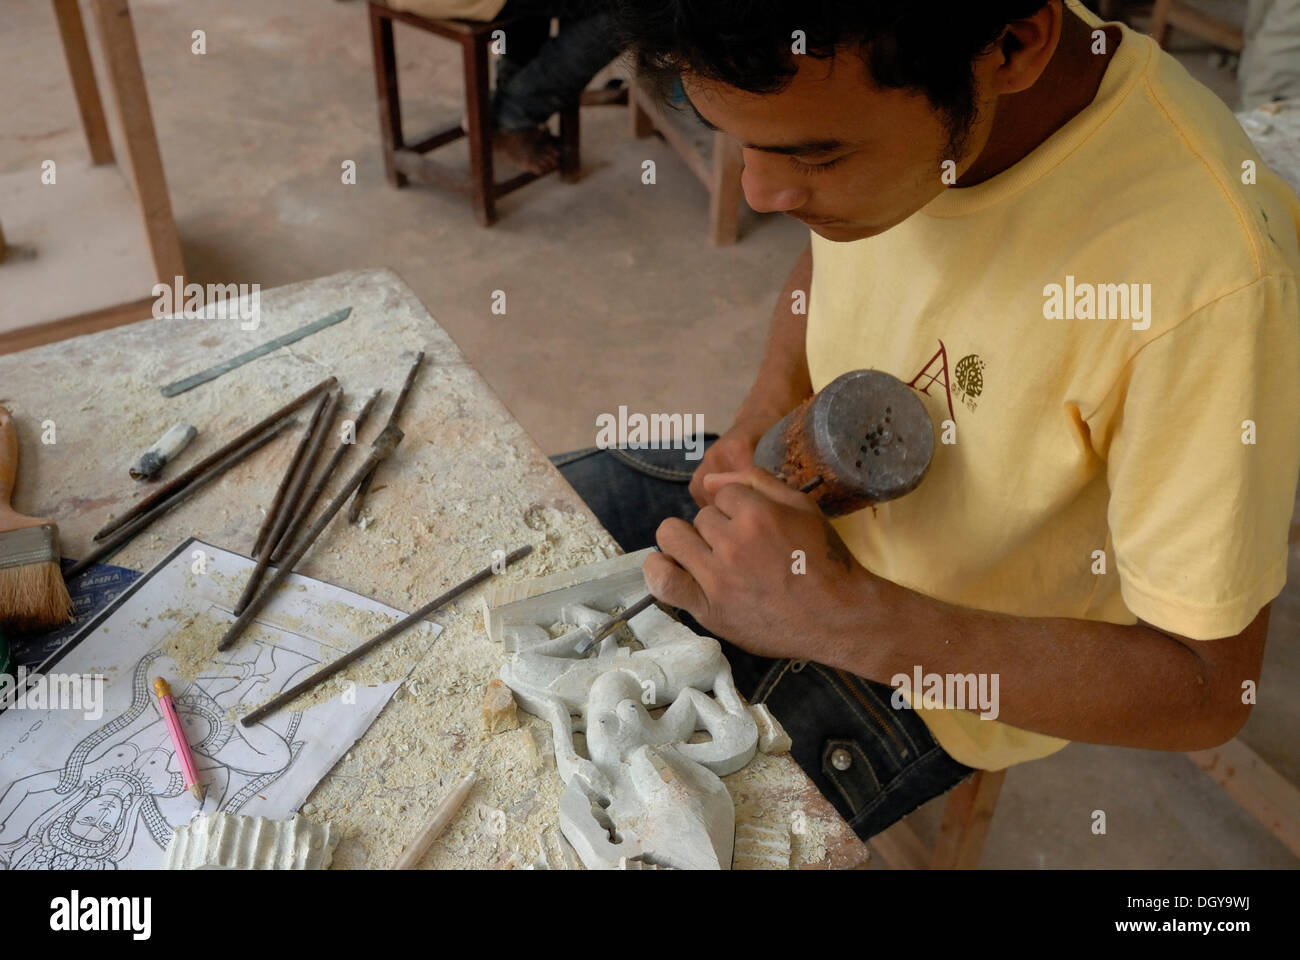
(87, 814)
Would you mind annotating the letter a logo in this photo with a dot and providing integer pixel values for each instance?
(942, 357)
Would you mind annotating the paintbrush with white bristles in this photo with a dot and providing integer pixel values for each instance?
(33, 596)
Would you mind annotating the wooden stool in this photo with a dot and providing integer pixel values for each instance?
(966, 817)
(1167, 14)
(403, 161)
(714, 158)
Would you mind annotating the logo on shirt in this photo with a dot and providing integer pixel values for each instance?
(967, 378)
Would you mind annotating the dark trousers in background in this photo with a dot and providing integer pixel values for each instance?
(538, 74)
(874, 763)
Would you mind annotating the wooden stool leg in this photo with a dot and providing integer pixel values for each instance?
(641, 123)
(570, 148)
(725, 191)
(1159, 27)
(966, 821)
(478, 99)
(390, 104)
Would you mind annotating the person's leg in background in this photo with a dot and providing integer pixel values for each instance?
(523, 40)
(1270, 64)
(874, 763)
(546, 76)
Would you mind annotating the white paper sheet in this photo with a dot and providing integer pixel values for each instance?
(96, 794)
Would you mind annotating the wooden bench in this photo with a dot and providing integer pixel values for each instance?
(714, 158)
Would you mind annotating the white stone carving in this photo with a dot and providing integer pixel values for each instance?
(641, 787)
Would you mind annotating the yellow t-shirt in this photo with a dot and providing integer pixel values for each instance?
(1160, 436)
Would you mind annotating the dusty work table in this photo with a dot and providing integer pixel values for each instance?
(465, 481)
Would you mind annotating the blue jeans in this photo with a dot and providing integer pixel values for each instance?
(540, 74)
(874, 763)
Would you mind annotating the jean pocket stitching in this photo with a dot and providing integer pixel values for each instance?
(573, 456)
(887, 710)
(650, 469)
(897, 782)
(869, 722)
(780, 669)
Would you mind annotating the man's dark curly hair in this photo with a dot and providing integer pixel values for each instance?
(748, 44)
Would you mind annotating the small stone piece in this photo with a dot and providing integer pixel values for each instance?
(772, 737)
(532, 757)
(499, 708)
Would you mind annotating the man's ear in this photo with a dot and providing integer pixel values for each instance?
(1026, 47)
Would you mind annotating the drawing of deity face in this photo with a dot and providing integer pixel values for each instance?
(97, 818)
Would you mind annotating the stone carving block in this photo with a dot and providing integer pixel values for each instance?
(643, 731)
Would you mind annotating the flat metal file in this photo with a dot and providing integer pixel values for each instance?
(189, 383)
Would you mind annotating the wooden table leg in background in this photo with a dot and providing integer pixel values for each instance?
(73, 33)
(144, 162)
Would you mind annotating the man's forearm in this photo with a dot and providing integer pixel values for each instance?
(782, 382)
(1077, 679)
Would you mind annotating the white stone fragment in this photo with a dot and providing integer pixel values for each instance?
(224, 841)
(772, 737)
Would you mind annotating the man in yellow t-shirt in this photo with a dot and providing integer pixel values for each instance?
(1072, 253)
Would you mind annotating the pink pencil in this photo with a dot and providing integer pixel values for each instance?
(182, 745)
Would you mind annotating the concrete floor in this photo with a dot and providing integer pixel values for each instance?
(613, 296)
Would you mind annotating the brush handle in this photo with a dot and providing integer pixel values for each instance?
(9, 518)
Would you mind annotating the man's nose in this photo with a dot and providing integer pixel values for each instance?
(768, 191)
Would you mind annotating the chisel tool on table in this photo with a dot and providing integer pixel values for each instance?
(324, 673)
(354, 512)
(171, 488)
(311, 496)
(287, 497)
(381, 450)
(864, 438)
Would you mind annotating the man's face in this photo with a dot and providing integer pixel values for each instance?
(847, 158)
